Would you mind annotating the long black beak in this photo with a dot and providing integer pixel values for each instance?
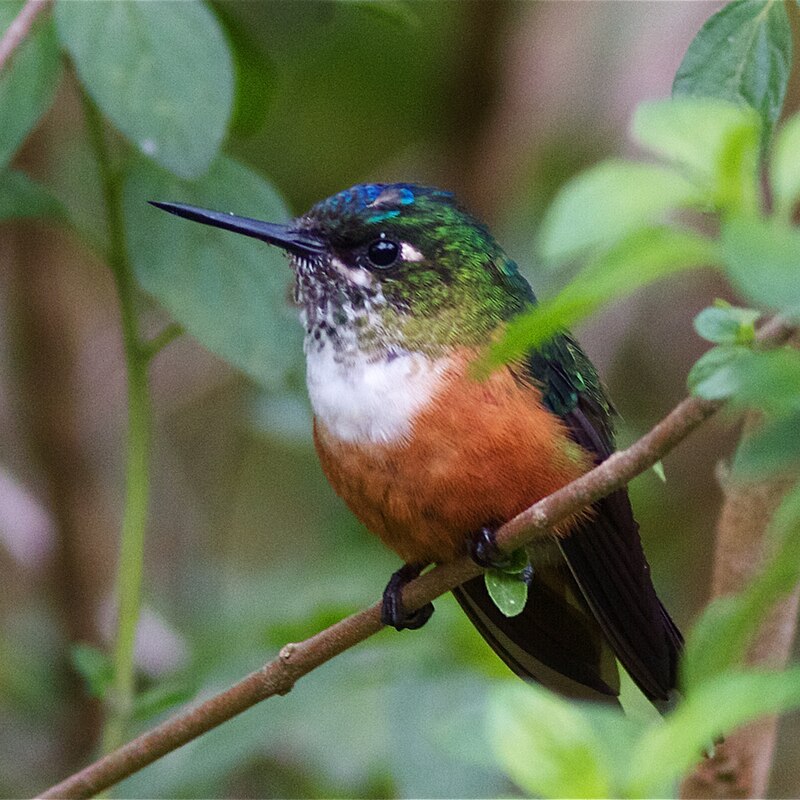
(302, 243)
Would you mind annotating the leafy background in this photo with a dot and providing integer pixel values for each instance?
(247, 546)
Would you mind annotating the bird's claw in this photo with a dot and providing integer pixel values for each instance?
(483, 549)
(526, 576)
(393, 611)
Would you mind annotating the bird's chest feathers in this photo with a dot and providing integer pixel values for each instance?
(424, 454)
(365, 398)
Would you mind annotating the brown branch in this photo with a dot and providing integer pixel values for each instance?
(296, 660)
(20, 27)
(741, 765)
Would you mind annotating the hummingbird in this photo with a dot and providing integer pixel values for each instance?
(400, 289)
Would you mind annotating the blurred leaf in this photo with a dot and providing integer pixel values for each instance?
(549, 745)
(94, 667)
(21, 198)
(284, 416)
(665, 752)
(743, 54)
(397, 11)
(161, 698)
(254, 92)
(394, 713)
(508, 591)
(338, 104)
(161, 72)
(774, 447)
(771, 381)
(641, 258)
(727, 324)
(658, 468)
(31, 670)
(255, 75)
(28, 83)
(282, 631)
(716, 142)
(228, 291)
(603, 204)
(763, 262)
(720, 638)
(785, 168)
(716, 374)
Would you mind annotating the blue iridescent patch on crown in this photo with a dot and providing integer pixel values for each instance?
(406, 195)
(382, 216)
(384, 197)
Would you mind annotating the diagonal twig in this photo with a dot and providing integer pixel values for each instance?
(295, 660)
(20, 27)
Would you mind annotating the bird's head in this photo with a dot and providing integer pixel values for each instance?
(391, 265)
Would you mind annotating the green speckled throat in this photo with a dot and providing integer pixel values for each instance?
(450, 284)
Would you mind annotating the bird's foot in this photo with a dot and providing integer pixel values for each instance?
(526, 576)
(392, 610)
(483, 550)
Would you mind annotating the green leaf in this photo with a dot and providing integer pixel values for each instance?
(658, 468)
(508, 591)
(715, 142)
(28, 83)
(641, 258)
(255, 89)
(161, 72)
(518, 561)
(228, 291)
(727, 324)
(767, 380)
(785, 168)
(549, 746)
(774, 447)
(21, 198)
(161, 698)
(256, 77)
(600, 206)
(665, 752)
(743, 54)
(716, 375)
(722, 635)
(94, 667)
(763, 262)
(770, 381)
(285, 417)
(394, 11)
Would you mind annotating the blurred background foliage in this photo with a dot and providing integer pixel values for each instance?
(247, 546)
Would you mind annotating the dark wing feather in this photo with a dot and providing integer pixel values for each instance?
(603, 603)
(604, 552)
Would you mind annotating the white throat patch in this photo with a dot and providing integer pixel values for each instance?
(369, 399)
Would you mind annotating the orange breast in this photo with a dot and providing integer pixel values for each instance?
(478, 454)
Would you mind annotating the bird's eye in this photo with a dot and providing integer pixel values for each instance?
(383, 253)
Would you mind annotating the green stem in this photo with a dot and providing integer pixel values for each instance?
(137, 467)
(154, 346)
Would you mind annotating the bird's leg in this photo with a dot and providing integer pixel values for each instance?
(483, 549)
(392, 610)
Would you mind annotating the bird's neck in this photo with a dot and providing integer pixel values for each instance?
(363, 323)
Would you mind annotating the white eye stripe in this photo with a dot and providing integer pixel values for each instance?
(359, 277)
(410, 253)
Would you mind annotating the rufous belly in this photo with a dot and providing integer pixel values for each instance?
(478, 453)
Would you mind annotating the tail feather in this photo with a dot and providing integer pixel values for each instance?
(607, 561)
(555, 641)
